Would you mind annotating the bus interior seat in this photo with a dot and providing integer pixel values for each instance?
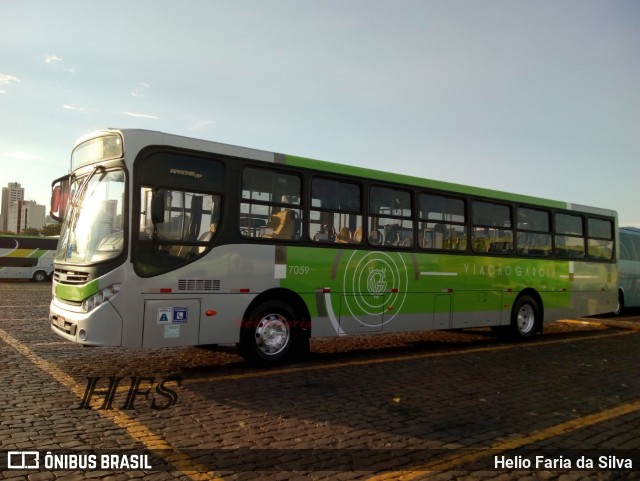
(375, 238)
(206, 237)
(392, 235)
(297, 230)
(344, 236)
(283, 225)
(357, 236)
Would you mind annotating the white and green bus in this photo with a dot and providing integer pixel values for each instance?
(27, 257)
(172, 241)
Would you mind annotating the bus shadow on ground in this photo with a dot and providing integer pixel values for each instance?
(378, 347)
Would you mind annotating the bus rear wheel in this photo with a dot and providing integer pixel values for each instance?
(525, 318)
(267, 334)
(40, 276)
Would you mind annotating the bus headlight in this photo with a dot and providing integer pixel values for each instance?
(100, 297)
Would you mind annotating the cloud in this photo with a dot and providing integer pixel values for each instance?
(58, 64)
(23, 156)
(141, 116)
(71, 107)
(6, 79)
(140, 89)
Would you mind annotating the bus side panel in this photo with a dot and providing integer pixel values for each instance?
(235, 274)
(404, 288)
(171, 322)
(221, 317)
(630, 282)
(476, 309)
(15, 272)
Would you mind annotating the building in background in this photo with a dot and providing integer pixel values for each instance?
(18, 214)
(11, 194)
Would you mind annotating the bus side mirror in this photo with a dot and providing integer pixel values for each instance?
(157, 207)
(59, 198)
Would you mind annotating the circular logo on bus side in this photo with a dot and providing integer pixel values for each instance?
(375, 283)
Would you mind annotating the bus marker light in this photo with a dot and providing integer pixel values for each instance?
(326, 290)
(210, 313)
(394, 290)
(165, 290)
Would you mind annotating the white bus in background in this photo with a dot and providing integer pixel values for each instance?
(629, 268)
(27, 258)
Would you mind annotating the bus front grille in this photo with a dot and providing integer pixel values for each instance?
(70, 277)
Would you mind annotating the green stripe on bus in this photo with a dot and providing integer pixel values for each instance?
(76, 293)
(334, 168)
(369, 282)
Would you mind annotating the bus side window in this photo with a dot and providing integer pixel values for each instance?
(336, 212)
(271, 205)
(534, 232)
(600, 239)
(442, 223)
(626, 248)
(175, 227)
(569, 236)
(390, 217)
(492, 228)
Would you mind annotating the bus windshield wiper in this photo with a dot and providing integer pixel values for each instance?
(80, 192)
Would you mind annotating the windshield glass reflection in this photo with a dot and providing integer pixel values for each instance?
(93, 230)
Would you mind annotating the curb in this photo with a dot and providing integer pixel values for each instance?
(616, 324)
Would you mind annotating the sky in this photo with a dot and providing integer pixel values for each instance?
(535, 97)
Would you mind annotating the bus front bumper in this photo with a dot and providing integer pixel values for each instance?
(100, 327)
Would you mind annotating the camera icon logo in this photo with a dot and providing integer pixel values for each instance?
(23, 460)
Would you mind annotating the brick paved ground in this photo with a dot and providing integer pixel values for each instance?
(412, 406)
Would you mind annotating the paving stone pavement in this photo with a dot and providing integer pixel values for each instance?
(441, 405)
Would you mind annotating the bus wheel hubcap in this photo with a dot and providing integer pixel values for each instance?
(526, 319)
(272, 334)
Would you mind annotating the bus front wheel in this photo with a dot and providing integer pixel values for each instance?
(525, 318)
(620, 306)
(266, 335)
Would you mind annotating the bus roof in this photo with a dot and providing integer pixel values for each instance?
(161, 138)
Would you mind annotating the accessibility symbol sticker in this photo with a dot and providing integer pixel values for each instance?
(165, 315)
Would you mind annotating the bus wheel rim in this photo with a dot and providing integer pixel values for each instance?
(272, 334)
(526, 319)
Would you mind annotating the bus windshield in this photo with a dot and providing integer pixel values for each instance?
(93, 231)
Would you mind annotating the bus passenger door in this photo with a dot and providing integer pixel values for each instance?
(442, 311)
(171, 322)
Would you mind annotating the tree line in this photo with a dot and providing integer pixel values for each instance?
(46, 231)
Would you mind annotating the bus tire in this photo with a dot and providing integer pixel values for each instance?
(620, 306)
(525, 318)
(267, 334)
(39, 276)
